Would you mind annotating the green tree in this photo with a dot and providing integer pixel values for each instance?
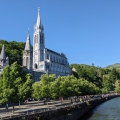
(36, 93)
(56, 88)
(43, 88)
(25, 88)
(117, 86)
(12, 80)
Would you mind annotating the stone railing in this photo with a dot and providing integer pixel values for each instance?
(78, 107)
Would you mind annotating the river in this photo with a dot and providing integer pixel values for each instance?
(109, 110)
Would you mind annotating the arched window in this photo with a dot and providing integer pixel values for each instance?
(35, 66)
(35, 38)
(27, 62)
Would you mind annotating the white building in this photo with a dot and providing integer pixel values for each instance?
(43, 60)
(4, 61)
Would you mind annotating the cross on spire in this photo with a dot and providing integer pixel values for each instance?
(38, 9)
(28, 30)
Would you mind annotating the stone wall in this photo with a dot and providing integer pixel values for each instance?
(71, 112)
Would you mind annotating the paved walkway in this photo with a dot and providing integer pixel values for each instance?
(32, 107)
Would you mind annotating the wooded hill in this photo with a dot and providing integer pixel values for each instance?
(14, 50)
(104, 78)
(116, 65)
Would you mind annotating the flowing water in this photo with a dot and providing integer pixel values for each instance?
(109, 110)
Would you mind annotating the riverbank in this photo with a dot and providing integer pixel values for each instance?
(69, 112)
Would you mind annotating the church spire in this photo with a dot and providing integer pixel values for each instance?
(28, 45)
(3, 55)
(38, 18)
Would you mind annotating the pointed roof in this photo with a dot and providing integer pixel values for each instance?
(28, 44)
(3, 55)
(38, 18)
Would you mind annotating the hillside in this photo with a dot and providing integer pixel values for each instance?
(14, 50)
(116, 65)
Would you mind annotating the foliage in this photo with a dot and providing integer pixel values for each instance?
(103, 78)
(15, 84)
(116, 65)
(117, 86)
(14, 50)
(63, 86)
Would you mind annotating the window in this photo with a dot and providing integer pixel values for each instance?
(51, 58)
(56, 59)
(41, 67)
(47, 66)
(35, 38)
(65, 61)
(27, 62)
(42, 55)
(35, 66)
(62, 61)
(47, 56)
(40, 39)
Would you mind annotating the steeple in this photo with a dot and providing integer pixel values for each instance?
(38, 18)
(27, 54)
(3, 55)
(28, 45)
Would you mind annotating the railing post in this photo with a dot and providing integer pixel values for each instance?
(1, 117)
(10, 115)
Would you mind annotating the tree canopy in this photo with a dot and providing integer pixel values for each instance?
(15, 84)
(103, 78)
(14, 50)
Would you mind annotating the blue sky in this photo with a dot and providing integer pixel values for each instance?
(87, 31)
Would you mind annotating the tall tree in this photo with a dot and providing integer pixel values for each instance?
(12, 81)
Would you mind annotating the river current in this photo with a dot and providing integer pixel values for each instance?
(109, 110)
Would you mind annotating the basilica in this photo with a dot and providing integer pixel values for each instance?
(41, 60)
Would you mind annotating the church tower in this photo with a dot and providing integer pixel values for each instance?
(27, 54)
(4, 61)
(38, 43)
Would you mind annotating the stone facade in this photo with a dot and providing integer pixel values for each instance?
(42, 60)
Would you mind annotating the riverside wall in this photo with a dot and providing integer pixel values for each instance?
(71, 112)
